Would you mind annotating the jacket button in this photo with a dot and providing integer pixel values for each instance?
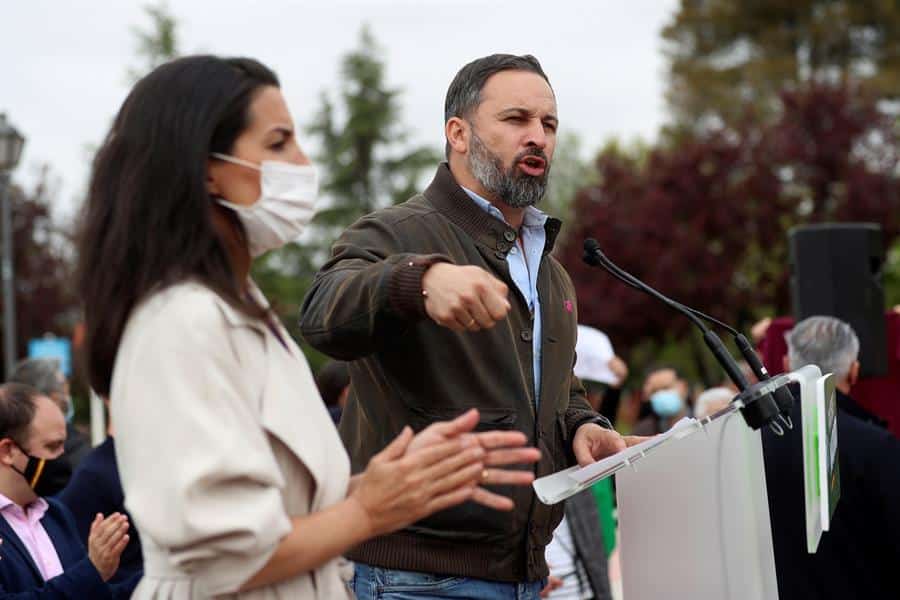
(503, 246)
(525, 335)
(500, 255)
(509, 235)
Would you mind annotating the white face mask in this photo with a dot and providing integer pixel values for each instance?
(286, 205)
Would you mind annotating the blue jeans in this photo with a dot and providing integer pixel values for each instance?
(375, 583)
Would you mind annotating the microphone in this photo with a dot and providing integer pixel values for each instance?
(783, 396)
(762, 411)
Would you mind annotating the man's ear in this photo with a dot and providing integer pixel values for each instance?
(853, 374)
(457, 132)
(786, 363)
(7, 451)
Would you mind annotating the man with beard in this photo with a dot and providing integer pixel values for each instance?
(450, 301)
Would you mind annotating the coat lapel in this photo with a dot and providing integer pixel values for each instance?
(292, 409)
(12, 541)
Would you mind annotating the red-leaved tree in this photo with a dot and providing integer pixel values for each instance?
(707, 221)
(44, 296)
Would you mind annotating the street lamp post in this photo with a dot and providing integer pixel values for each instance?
(11, 144)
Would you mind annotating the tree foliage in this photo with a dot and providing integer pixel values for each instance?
(726, 54)
(158, 43)
(364, 162)
(364, 155)
(708, 220)
(42, 257)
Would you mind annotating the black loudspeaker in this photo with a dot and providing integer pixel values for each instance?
(837, 272)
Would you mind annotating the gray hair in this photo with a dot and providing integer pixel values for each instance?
(43, 374)
(706, 402)
(464, 93)
(828, 343)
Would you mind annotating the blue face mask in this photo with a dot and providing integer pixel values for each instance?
(666, 403)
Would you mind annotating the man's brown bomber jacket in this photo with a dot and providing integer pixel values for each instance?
(366, 306)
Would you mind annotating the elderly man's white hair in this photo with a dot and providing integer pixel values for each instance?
(829, 343)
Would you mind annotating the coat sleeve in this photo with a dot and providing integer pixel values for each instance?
(370, 287)
(200, 479)
(580, 411)
(78, 582)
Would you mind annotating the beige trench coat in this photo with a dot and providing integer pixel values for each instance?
(221, 437)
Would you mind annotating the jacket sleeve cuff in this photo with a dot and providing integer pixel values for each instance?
(83, 580)
(405, 294)
(577, 418)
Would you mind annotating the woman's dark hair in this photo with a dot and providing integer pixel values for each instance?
(148, 219)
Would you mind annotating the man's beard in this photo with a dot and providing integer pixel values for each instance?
(515, 188)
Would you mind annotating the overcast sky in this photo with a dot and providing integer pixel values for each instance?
(65, 63)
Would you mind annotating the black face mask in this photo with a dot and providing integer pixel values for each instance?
(41, 474)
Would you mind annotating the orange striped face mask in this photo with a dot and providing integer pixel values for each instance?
(34, 469)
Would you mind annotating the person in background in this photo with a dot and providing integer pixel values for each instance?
(712, 400)
(333, 382)
(858, 556)
(576, 555)
(46, 376)
(95, 487)
(805, 340)
(42, 556)
(600, 370)
(665, 392)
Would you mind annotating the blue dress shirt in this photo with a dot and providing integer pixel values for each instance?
(523, 268)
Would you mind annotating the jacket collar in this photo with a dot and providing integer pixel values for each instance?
(445, 195)
(237, 318)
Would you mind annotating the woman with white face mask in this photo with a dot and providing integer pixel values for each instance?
(232, 470)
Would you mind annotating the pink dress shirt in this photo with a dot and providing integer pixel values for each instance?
(27, 525)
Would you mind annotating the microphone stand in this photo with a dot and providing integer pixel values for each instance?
(760, 408)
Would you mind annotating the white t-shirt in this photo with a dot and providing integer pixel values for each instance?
(560, 554)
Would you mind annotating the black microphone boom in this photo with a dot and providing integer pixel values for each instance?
(757, 414)
(783, 396)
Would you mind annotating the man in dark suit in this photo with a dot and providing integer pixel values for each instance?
(41, 556)
(858, 556)
(46, 376)
(95, 487)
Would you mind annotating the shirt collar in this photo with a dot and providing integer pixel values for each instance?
(35, 510)
(533, 217)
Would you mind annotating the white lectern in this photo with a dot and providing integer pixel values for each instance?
(693, 505)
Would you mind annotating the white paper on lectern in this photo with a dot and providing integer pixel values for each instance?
(568, 482)
(602, 468)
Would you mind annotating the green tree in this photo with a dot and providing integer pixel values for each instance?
(365, 164)
(365, 160)
(42, 252)
(727, 54)
(159, 42)
(570, 173)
